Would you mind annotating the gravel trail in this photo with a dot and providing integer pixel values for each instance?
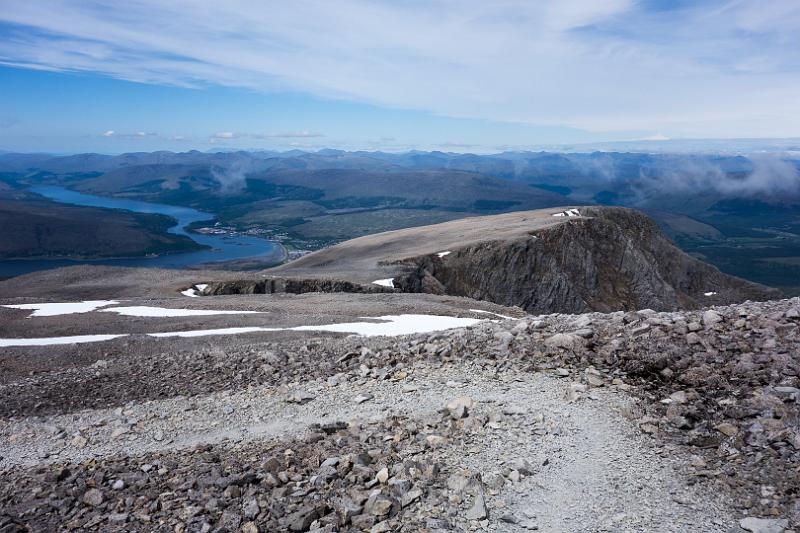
(582, 465)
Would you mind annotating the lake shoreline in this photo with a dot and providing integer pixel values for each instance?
(208, 251)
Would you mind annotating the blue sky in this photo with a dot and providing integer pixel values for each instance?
(452, 75)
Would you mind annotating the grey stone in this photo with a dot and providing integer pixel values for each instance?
(478, 511)
(711, 318)
(361, 398)
(764, 525)
(566, 341)
(93, 497)
(378, 504)
(251, 508)
(300, 397)
(301, 520)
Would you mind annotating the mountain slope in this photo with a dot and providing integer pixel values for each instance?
(607, 259)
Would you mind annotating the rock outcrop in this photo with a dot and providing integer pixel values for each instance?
(609, 259)
(595, 259)
(287, 285)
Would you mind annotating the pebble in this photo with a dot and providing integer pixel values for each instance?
(361, 398)
(478, 511)
(93, 497)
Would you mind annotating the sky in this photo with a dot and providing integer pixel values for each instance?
(452, 75)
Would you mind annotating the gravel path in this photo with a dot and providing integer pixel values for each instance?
(588, 467)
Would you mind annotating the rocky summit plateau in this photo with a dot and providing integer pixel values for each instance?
(561, 370)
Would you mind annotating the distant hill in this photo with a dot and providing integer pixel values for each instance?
(309, 200)
(32, 228)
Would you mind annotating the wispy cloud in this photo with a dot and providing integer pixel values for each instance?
(134, 135)
(288, 135)
(768, 175)
(458, 145)
(713, 68)
(654, 137)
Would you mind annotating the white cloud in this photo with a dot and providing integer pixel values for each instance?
(135, 135)
(287, 135)
(716, 68)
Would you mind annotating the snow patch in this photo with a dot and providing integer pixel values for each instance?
(62, 308)
(442, 254)
(147, 311)
(395, 325)
(504, 317)
(390, 325)
(52, 341)
(192, 292)
(568, 213)
(388, 282)
(206, 332)
(709, 293)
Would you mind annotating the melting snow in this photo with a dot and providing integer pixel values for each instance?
(146, 311)
(388, 282)
(205, 332)
(192, 292)
(568, 213)
(50, 341)
(390, 325)
(55, 309)
(495, 314)
(395, 325)
(709, 293)
(442, 254)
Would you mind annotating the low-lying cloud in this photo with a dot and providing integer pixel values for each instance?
(759, 175)
(233, 178)
(767, 176)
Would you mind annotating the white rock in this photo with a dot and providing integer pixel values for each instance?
(361, 398)
(763, 525)
(711, 318)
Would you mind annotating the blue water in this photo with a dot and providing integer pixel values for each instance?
(223, 248)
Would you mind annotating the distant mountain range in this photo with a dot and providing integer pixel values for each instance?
(741, 213)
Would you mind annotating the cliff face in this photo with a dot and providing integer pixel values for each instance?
(608, 259)
(287, 285)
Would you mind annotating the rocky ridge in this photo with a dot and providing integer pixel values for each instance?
(607, 259)
(597, 259)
